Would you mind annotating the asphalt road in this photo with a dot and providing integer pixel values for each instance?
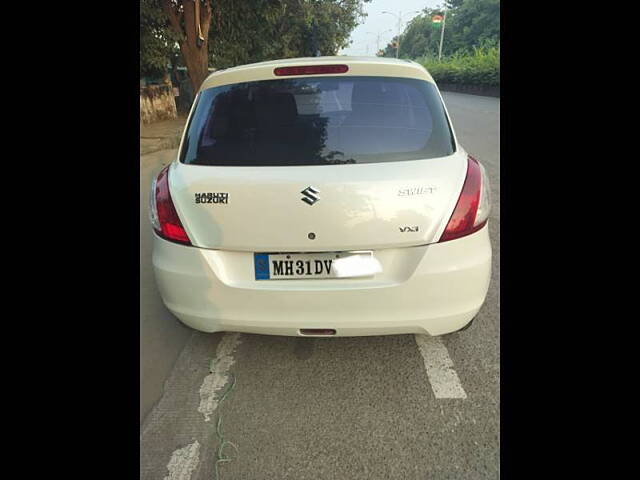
(162, 337)
(342, 408)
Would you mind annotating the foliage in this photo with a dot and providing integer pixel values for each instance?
(421, 37)
(247, 32)
(390, 50)
(471, 46)
(471, 23)
(157, 42)
(481, 67)
(190, 22)
(468, 24)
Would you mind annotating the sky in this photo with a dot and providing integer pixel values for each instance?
(364, 43)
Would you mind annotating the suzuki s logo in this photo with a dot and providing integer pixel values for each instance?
(310, 195)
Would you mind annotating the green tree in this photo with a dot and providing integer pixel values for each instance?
(471, 23)
(389, 50)
(157, 42)
(224, 33)
(421, 37)
(246, 32)
(190, 21)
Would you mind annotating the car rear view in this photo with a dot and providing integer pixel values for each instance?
(323, 197)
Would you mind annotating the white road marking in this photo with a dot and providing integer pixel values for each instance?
(183, 462)
(215, 382)
(443, 378)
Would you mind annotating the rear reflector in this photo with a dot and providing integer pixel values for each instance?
(310, 70)
(317, 331)
(463, 220)
(164, 217)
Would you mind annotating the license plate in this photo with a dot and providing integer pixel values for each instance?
(296, 266)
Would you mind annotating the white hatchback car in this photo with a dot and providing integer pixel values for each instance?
(323, 196)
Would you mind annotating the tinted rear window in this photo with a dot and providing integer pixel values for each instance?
(317, 121)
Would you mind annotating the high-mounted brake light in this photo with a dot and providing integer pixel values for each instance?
(164, 217)
(472, 210)
(310, 70)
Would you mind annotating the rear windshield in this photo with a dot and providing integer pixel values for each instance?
(317, 121)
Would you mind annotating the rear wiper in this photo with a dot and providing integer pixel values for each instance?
(337, 161)
(330, 158)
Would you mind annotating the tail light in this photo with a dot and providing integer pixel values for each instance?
(472, 210)
(310, 70)
(164, 217)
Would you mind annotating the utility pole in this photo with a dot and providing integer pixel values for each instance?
(399, 17)
(444, 22)
(399, 32)
(378, 35)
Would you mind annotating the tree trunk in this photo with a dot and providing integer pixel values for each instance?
(183, 21)
(196, 61)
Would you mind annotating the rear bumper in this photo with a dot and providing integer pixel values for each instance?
(433, 289)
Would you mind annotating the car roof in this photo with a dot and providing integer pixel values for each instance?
(363, 66)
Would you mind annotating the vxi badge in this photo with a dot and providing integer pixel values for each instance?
(310, 195)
